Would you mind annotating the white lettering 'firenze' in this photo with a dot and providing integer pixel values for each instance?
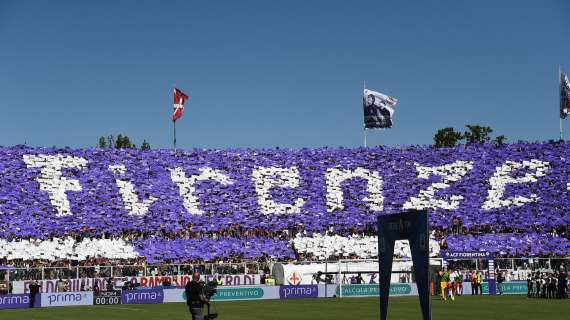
(52, 181)
(128, 194)
(501, 178)
(187, 189)
(449, 173)
(336, 177)
(266, 178)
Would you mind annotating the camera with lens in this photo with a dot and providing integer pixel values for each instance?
(209, 289)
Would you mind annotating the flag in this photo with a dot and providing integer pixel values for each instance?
(378, 109)
(564, 96)
(179, 100)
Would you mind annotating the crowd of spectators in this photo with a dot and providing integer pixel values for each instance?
(291, 236)
(246, 205)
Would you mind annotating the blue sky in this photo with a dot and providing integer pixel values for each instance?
(277, 73)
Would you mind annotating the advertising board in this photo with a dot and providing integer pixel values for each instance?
(142, 296)
(62, 299)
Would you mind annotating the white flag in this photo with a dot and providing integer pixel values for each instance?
(378, 109)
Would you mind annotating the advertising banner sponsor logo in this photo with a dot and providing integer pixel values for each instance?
(363, 290)
(142, 296)
(227, 294)
(174, 295)
(515, 287)
(66, 299)
(17, 301)
(107, 298)
(294, 278)
(485, 287)
(237, 293)
(450, 255)
(300, 291)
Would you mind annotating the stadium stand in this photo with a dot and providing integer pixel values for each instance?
(75, 206)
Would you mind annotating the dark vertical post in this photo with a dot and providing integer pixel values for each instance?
(174, 122)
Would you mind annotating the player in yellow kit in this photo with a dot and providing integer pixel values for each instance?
(444, 280)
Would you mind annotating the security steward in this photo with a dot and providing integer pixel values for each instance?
(195, 298)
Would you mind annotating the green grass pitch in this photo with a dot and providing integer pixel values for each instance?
(467, 307)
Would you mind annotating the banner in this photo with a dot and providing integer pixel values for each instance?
(514, 287)
(142, 296)
(174, 295)
(253, 293)
(301, 291)
(229, 294)
(465, 255)
(107, 298)
(50, 286)
(66, 299)
(17, 301)
(234, 279)
(372, 290)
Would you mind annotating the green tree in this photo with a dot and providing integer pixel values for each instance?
(500, 140)
(127, 144)
(102, 142)
(447, 137)
(145, 145)
(121, 142)
(477, 134)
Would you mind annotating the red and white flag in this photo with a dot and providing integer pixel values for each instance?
(179, 100)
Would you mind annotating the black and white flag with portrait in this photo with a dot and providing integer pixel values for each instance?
(564, 96)
(378, 109)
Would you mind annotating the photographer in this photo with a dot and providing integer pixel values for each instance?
(195, 298)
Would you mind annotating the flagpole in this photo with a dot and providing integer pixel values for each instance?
(174, 123)
(365, 134)
(560, 86)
